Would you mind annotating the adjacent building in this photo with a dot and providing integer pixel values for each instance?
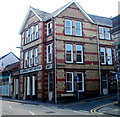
(9, 68)
(67, 54)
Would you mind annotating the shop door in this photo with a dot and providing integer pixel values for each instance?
(50, 91)
(105, 84)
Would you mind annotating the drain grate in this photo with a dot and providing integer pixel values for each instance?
(50, 112)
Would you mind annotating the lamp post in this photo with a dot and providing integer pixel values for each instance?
(99, 61)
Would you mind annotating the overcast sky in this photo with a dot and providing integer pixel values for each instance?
(13, 12)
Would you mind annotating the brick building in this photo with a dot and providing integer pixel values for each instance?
(58, 57)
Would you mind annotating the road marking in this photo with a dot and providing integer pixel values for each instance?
(94, 110)
(31, 112)
(10, 107)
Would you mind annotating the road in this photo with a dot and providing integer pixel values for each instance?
(14, 108)
(78, 108)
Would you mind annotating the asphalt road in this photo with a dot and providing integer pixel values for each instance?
(79, 108)
(14, 108)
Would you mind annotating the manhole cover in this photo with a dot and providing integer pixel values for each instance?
(50, 112)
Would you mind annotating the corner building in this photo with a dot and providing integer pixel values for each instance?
(59, 59)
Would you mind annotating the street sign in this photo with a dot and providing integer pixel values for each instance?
(116, 76)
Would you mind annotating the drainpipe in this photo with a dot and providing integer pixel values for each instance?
(54, 41)
(99, 61)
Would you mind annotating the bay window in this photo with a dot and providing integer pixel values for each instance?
(69, 82)
(69, 53)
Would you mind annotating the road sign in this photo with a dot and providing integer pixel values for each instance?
(116, 76)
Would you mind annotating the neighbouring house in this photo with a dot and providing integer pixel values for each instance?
(67, 54)
(116, 32)
(8, 66)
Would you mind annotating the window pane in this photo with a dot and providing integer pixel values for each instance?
(103, 55)
(69, 86)
(80, 82)
(49, 28)
(109, 55)
(107, 33)
(69, 82)
(79, 55)
(101, 32)
(69, 53)
(68, 57)
(49, 53)
(68, 27)
(78, 29)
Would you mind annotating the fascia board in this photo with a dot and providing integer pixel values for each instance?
(26, 17)
(73, 1)
(83, 11)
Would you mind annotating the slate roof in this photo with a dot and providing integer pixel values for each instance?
(8, 59)
(12, 66)
(101, 20)
(97, 19)
(44, 16)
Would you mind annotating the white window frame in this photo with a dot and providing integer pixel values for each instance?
(80, 28)
(31, 33)
(30, 58)
(79, 53)
(26, 37)
(109, 56)
(72, 81)
(101, 33)
(83, 87)
(103, 50)
(68, 27)
(49, 54)
(25, 59)
(35, 56)
(69, 53)
(49, 28)
(107, 34)
(36, 32)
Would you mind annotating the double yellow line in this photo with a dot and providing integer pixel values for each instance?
(94, 110)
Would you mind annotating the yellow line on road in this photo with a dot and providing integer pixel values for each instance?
(94, 110)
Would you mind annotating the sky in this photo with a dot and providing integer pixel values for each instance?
(13, 12)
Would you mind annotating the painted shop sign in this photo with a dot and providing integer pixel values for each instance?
(32, 69)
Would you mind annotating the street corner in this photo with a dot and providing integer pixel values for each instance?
(109, 109)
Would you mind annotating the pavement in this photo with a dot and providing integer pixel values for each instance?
(107, 109)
